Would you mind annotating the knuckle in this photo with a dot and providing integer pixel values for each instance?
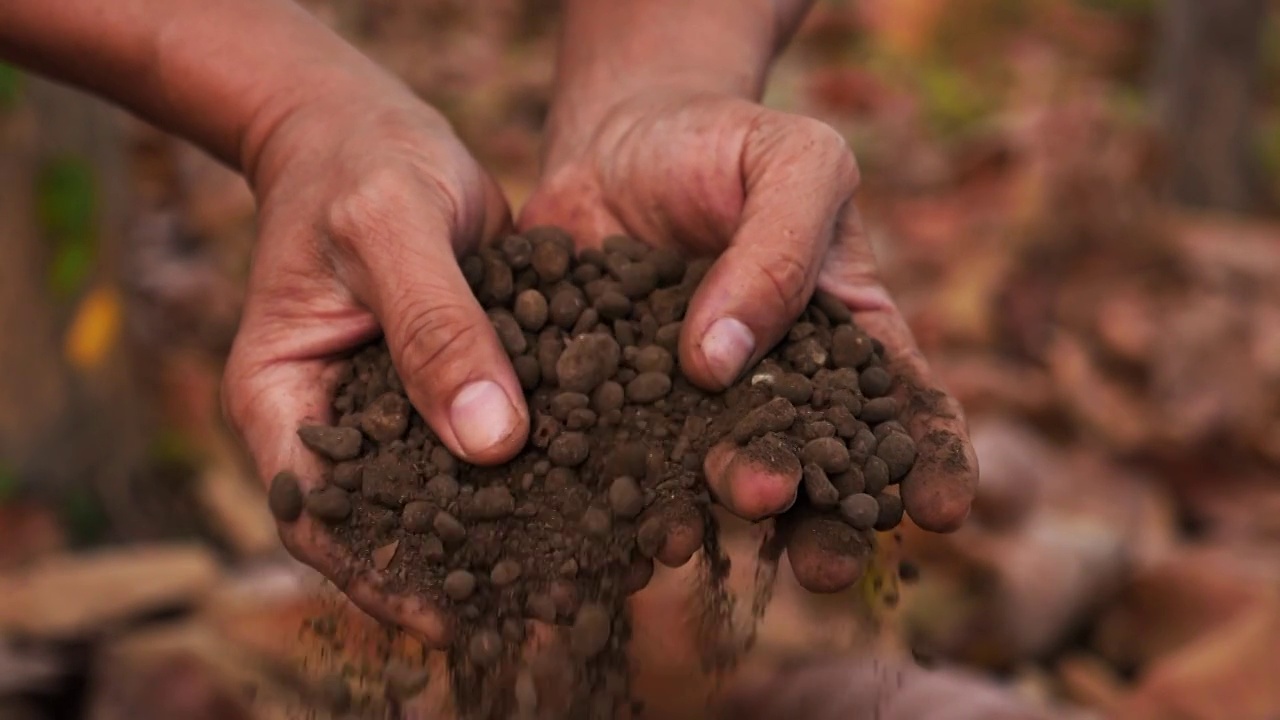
(824, 142)
(786, 274)
(370, 205)
(431, 332)
(383, 198)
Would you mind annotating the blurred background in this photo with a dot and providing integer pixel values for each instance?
(1074, 202)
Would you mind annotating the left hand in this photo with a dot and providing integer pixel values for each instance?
(771, 195)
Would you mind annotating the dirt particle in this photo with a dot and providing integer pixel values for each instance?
(334, 443)
(648, 387)
(795, 387)
(569, 449)
(284, 497)
(625, 498)
(417, 516)
(492, 503)
(612, 305)
(348, 476)
(827, 453)
(668, 336)
(386, 418)
(458, 585)
(850, 348)
(329, 504)
(875, 472)
(654, 358)
(879, 410)
(874, 382)
(890, 512)
(442, 489)
(822, 494)
(485, 648)
(862, 446)
(591, 630)
(608, 397)
(551, 261)
(449, 528)
(517, 250)
(777, 415)
(531, 310)
(638, 279)
(498, 284)
(669, 265)
(566, 306)
(528, 371)
(508, 331)
(849, 482)
(832, 306)
(898, 452)
(860, 510)
(504, 573)
(588, 361)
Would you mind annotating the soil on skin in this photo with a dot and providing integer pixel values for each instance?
(564, 532)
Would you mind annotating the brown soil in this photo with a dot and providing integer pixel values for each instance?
(570, 527)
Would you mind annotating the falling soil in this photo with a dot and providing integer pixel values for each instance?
(613, 467)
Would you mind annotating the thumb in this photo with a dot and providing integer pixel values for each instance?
(453, 367)
(798, 173)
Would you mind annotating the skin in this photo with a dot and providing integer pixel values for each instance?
(655, 130)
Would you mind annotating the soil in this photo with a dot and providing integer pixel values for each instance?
(564, 532)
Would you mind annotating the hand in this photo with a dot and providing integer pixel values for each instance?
(772, 195)
(364, 201)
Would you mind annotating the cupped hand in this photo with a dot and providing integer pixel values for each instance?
(771, 196)
(364, 203)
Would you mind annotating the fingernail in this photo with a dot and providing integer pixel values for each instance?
(481, 416)
(727, 346)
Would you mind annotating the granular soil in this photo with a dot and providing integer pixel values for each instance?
(568, 529)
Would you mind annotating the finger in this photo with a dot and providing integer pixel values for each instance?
(826, 554)
(310, 542)
(454, 369)
(569, 202)
(940, 488)
(797, 176)
(752, 481)
(268, 395)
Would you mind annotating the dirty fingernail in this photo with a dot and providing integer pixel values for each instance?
(481, 416)
(727, 346)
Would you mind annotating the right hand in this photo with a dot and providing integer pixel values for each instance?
(365, 199)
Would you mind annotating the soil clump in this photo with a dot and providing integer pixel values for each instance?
(564, 532)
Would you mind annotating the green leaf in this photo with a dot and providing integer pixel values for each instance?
(66, 206)
(83, 517)
(10, 86)
(8, 483)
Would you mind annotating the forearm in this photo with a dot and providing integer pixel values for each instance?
(612, 49)
(221, 73)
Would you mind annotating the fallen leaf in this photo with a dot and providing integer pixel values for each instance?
(1229, 674)
(94, 329)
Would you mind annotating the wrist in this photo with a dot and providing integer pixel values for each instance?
(615, 52)
(297, 130)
